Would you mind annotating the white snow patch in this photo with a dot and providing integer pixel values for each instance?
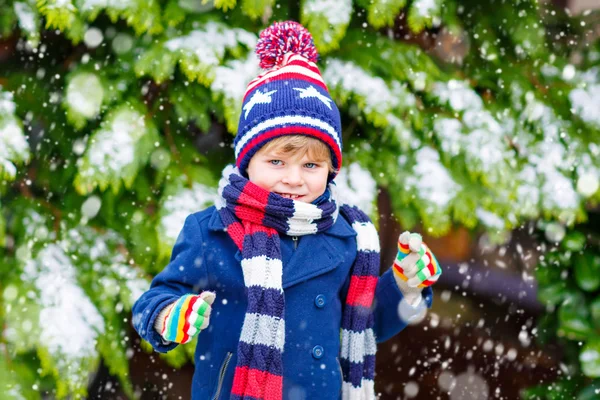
(177, 207)
(378, 96)
(431, 180)
(425, 8)
(117, 4)
(458, 95)
(528, 192)
(337, 12)
(489, 218)
(233, 78)
(71, 323)
(85, 94)
(586, 103)
(356, 186)
(210, 43)
(112, 148)
(13, 145)
(26, 16)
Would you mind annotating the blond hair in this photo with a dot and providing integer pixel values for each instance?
(302, 144)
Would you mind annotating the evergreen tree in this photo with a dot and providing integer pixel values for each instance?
(117, 116)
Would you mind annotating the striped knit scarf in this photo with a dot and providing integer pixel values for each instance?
(254, 219)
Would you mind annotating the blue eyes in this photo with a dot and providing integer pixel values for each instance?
(307, 165)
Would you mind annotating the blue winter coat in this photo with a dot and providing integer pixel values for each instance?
(316, 276)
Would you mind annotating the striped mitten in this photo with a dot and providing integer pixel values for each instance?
(415, 264)
(182, 320)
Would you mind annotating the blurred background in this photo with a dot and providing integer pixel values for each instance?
(474, 123)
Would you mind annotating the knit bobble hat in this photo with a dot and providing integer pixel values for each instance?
(290, 98)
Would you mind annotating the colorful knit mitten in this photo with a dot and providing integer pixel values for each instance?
(182, 320)
(415, 266)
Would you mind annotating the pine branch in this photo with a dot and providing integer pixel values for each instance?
(27, 193)
(176, 154)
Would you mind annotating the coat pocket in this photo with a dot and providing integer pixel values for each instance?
(222, 372)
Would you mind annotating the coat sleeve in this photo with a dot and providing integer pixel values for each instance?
(388, 296)
(388, 320)
(185, 273)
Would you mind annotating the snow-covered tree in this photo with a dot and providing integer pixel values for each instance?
(116, 118)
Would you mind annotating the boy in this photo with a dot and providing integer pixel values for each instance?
(297, 274)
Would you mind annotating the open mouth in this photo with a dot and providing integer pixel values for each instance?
(290, 196)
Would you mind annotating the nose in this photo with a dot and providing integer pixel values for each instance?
(293, 177)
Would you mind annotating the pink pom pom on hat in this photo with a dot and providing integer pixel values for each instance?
(290, 98)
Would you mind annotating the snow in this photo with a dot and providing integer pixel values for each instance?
(449, 130)
(85, 94)
(177, 207)
(557, 190)
(482, 143)
(554, 232)
(112, 148)
(405, 135)
(210, 43)
(528, 192)
(485, 140)
(91, 206)
(548, 157)
(336, 12)
(586, 103)
(356, 186)
(589, 355)
(26, 16)
(117, 4)
(7, 105)
(425, 8)
(65, 4)
(458, 95)
(103, 257)
(71, 323)
(232, 79)
(431, 179)
(489, 219)
(13, 145)
(568, 72)
(588, 184)
(93, 37)
(379, 98)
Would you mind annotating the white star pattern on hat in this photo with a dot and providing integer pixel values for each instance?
(257, 98)
(312, 92)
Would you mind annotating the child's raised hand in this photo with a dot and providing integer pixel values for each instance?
(415, 264)
(187, 316)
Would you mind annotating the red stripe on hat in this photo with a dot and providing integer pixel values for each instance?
(257, 383)
(290, 130)
(301, 62)
(186, 325)
(285, 76)
(362, 290)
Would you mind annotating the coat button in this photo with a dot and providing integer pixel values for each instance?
(317, 352)
(320, 301)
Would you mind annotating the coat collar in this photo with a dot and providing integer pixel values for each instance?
(341, 228)
(315, 256)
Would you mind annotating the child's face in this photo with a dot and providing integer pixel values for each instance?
(291, 176)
